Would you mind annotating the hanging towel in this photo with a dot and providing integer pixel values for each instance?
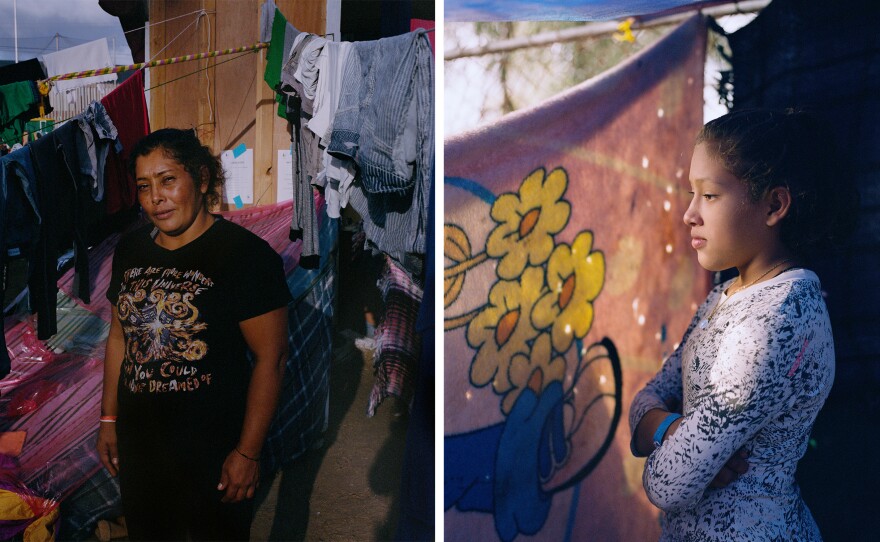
(127, 106)
(88, 56)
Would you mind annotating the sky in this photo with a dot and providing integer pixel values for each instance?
(74, 22)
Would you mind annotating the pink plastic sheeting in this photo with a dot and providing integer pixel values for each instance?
(271, 222)
(56, 400)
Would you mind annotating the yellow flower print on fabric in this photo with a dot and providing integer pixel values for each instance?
(575, 276)
(536, 371)
(502, 328)
(527, 222)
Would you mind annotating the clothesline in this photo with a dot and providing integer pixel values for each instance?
(153, 63)
(163, 62)
(53, 122)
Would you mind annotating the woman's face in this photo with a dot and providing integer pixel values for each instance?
(170, 196)
(728, 229)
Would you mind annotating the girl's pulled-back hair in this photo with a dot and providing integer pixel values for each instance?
(768, 148)
(184, 147)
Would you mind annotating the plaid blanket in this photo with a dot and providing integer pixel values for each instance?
(398, 344)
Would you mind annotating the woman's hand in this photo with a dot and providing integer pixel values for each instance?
(107, 447)
(731, 470)
(238, 477)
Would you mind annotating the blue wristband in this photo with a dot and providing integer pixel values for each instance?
(663, 427)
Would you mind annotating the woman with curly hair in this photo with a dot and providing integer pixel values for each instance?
(183, 414)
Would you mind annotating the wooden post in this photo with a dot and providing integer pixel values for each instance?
(264, 151)
(157, 42)
(207, 115)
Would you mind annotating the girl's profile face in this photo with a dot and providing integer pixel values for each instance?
(728, 229)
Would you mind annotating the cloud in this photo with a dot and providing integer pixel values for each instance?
(76, 21)
(68, 13)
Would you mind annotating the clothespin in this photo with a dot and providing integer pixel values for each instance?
(43, 87)
(625, 29)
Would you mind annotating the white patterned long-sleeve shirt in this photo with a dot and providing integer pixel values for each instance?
(752, 375)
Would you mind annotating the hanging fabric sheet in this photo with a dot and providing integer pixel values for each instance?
(81, 57)
(128, 106)
(563, 236)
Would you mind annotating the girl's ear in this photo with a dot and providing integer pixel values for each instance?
(779, 204)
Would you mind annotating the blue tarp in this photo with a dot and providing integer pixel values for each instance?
(558, 10)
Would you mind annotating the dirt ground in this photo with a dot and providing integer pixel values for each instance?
(349, 488)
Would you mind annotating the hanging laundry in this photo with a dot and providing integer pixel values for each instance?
(88, 56)
(66, 191)
(19, 102)
(384, 122)
(127, 105)
(20, 219)
(335, 175)
(94, 124)
(282, 35)
(305, 149)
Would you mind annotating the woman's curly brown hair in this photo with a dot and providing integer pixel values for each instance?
(184, 147)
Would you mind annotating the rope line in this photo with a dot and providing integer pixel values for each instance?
(199, 70)
(181, 33)
(246, 52)
(157, 23)
(154, 63)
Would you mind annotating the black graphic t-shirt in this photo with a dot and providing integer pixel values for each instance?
(185, 356)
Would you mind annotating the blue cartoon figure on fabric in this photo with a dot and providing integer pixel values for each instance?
(540, 306)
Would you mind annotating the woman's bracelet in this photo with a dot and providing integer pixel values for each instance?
(257, 460)
(107, 419)
(663, 427)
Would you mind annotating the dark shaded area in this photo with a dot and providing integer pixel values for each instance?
(374, 19)
(385, 472)
(825, 58)
(357, 275)
(298, 478)
(26, 70)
